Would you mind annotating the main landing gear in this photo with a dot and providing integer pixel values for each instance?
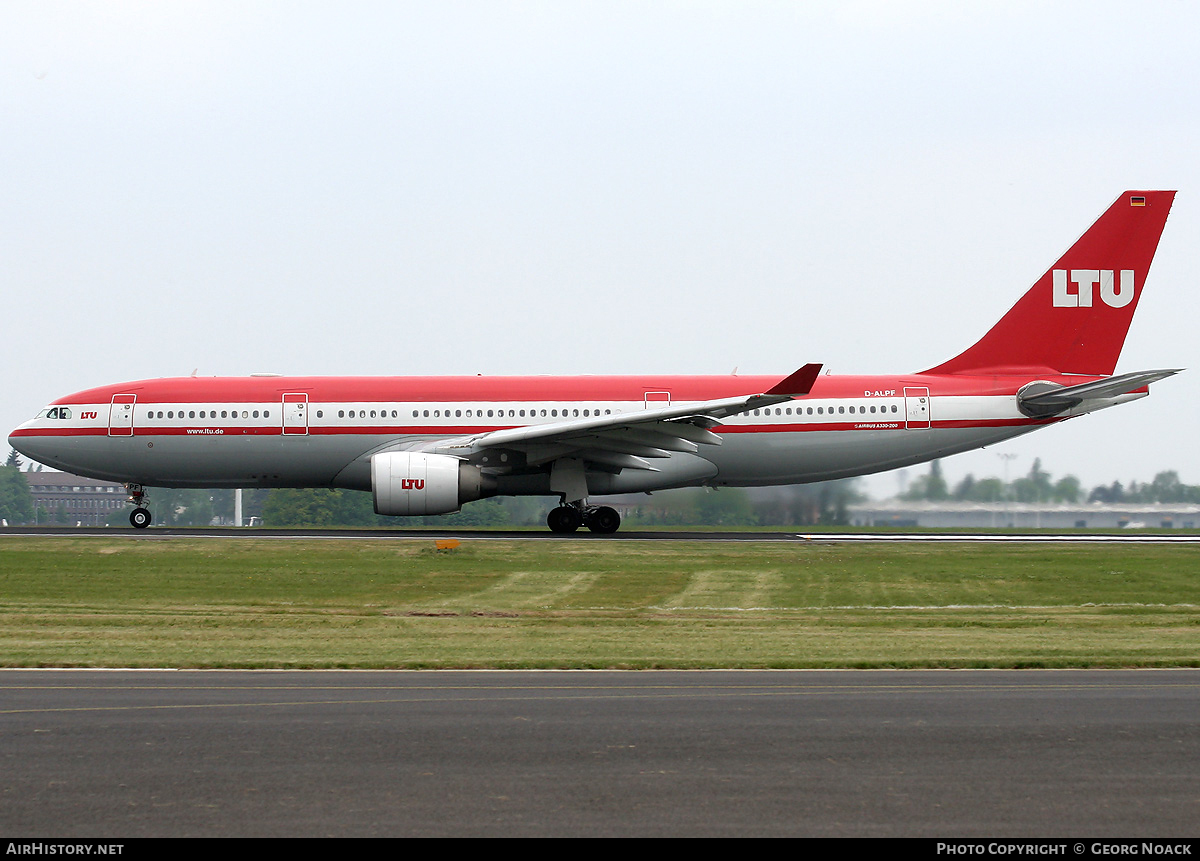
(598, 518)
(139, 518)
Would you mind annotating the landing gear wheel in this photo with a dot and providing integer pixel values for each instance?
(140, 518)
(603, 520)
(564, 519)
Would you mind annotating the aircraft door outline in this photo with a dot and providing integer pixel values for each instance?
(295, 413)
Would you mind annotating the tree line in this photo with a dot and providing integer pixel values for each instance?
(793, 505)
(1039, 486)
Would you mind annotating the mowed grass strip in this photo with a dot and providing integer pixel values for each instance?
(246, 602)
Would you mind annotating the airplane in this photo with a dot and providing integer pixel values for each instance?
(427, 445)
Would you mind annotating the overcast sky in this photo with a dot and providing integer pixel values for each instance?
(543, 188)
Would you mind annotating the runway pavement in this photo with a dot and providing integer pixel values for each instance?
(1133, 537)
(703, 753)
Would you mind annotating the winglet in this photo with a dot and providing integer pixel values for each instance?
(799, 383)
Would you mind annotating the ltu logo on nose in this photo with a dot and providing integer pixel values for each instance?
(1085, 281)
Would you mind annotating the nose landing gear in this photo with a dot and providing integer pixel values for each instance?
(140, 517)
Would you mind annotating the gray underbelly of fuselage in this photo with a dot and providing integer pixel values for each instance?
(343, 460)
(217, 461)
(748, 460)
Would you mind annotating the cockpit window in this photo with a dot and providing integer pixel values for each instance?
(55, 413)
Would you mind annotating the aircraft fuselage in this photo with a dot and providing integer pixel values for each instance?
(322, 432)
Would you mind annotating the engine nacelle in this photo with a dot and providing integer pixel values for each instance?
(415, 483)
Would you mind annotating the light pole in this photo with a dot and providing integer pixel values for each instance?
(1007, 457)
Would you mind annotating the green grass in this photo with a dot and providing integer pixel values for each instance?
(248, 602)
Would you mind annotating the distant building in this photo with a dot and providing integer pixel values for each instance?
(86, 501)
(1019, 515)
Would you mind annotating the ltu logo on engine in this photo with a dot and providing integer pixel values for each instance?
(412, 484)
(1085, 281)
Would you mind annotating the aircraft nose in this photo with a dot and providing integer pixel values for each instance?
(24, 444)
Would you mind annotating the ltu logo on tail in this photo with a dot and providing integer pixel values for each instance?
(1085, 281)
(412, 484)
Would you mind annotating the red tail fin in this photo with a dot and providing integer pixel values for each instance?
(1075, 318)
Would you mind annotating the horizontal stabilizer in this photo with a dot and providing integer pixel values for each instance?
(1047, 399)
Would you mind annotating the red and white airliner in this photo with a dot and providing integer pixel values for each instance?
(426, 445)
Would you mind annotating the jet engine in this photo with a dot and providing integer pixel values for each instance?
(415, 483)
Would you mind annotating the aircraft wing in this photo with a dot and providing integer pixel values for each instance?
(620, 440)
(1048, 400)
